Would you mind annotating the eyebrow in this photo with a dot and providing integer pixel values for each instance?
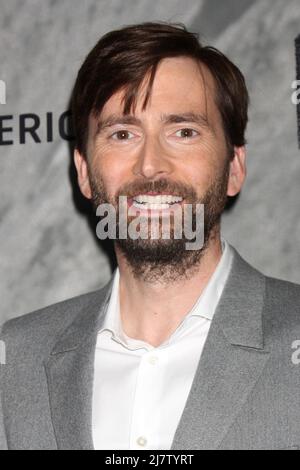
(113, 120)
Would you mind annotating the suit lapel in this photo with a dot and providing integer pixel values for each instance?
(70, 374)
(232, 361)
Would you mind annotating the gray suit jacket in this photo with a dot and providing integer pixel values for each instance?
(245, 394)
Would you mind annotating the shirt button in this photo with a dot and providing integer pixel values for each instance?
(153, 360)
(142, 441)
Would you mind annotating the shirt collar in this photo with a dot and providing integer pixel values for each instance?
(204, 307)
(207, 302)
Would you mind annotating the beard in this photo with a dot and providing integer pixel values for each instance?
(166, 260)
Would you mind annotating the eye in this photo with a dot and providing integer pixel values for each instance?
(121, 135)
(187, 133)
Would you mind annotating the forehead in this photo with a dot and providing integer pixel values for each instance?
(180, 85)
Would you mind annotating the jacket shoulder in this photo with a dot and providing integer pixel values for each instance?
(282, 306)
(282, 291)
(43, 326)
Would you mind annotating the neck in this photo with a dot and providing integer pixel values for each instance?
(151, 311)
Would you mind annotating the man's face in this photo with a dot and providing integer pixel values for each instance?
(176, 146)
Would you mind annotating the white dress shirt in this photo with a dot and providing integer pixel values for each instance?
(140, 391)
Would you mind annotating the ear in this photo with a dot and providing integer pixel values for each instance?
(238, 171)
(82, 174)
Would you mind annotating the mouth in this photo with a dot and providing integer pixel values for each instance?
(155, 202)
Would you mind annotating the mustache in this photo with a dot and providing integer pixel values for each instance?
(158, 186)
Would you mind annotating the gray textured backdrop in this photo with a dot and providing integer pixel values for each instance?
(47, 250)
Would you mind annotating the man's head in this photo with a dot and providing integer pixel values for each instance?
(156, 112)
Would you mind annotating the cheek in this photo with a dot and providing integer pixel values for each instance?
(199, 179)
(113, 172)
(199, 169)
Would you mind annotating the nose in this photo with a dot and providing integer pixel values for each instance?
(152, 161)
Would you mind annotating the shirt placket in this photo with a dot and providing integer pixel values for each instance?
(146, 421)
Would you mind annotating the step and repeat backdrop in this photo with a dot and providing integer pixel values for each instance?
(48, 248)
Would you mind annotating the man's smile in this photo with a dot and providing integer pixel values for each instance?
(155, 202)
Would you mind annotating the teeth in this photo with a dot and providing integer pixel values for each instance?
(151, 206)
(157, 200)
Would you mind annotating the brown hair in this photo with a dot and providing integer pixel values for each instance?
(122, 58)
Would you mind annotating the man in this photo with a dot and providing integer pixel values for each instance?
(184, 348)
